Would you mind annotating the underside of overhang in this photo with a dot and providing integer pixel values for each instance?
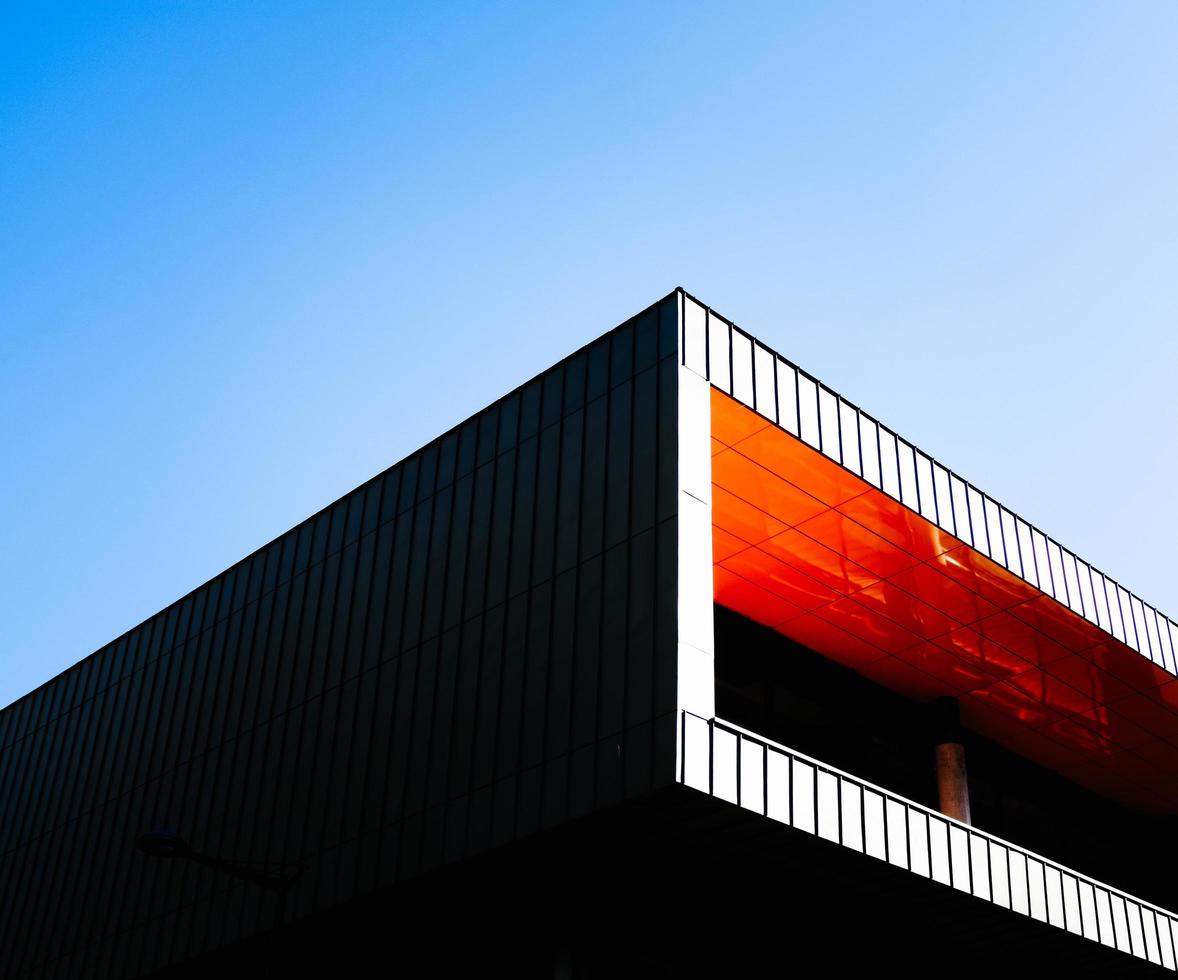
(676, 884)
(807, 548)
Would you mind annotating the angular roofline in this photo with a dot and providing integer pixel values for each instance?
(677, 291)
(1130, 620)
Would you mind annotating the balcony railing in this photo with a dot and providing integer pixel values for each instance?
(752, 772)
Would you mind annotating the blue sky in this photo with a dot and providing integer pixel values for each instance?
(250, 255)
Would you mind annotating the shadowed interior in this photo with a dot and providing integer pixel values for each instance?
(812, 551)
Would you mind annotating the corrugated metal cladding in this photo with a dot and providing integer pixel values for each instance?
(477, 644)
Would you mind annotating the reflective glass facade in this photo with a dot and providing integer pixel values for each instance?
(824, 558)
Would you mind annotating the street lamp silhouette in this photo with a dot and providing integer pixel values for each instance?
(168, 844)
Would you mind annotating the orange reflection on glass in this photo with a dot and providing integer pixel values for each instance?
(1082, 739)
(834, 641)
(862, 546)
(1049, 690)
(956, 672)
(1166, 695)
(815, 473)
(1065, 747)
(751, 600)
(820, 562)
(991, 657)
(899, 525)
(955, 600)
(1084, 675)
(741, 519)
(905, 609)
(1013, 701)
(845, 570)
(725, 545)
(1157, 751)
(779, 578)
(867, 625)
(1126, 665)
(777, 497)
(730, 426)
(1144, 714)
(983, 717)
(981, 575)
(1014, 634)
(894, 673)
(1058, 622)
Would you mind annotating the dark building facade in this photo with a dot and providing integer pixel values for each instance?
(523, 701)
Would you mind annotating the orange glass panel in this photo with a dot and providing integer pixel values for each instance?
(863, 547)
(1167, 694)
(751, 600)
(1092, 761)
(979, 574)
(868, 625)
(1142, 775)
(1094, 715)
(820, 562)
(1157, 751)
(1084, 675)
(899, 525)
(899, 676)
(982, 717)
(725, 545)
(801, 465)
(1046, 689)
(1014, 634)
(957, 673)
(1146, 712)
(905, 609)
(987, 655)
(779, 578)
(754, 483)
(834, 641)
(1140, 797)
(1025, 707)
(1058, 622)
(845, 570)
(1127, 665)
(732, 421)
(1056, 753)
(1068, 748)
(950, 597)
(740, 518)
(1120, 729)
(1082, 740)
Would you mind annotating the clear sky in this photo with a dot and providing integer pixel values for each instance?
(252, 254)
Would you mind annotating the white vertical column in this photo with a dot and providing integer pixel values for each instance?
(697, 673)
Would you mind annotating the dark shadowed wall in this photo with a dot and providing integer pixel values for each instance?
(477, 644)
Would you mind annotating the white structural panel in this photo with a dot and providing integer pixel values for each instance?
(696, 674)
(715, 349)
(752, 772)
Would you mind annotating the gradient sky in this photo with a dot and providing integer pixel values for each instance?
(252, 254)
